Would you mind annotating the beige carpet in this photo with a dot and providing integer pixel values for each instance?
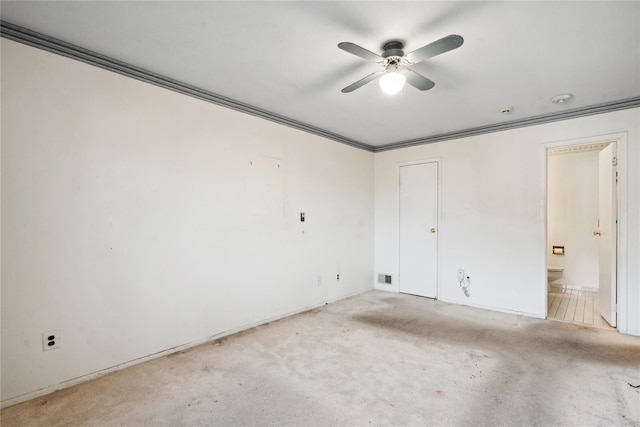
(375, 359)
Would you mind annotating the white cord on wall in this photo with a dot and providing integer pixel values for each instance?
(464, 285)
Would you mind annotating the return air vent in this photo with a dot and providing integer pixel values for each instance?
(385, 278)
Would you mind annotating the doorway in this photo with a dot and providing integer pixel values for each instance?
(418, 269)
(582, 233)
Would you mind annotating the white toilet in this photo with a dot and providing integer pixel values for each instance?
(553, 275)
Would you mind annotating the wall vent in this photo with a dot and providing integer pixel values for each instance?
(385, 278)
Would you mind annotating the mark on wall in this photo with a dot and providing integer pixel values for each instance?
(265, 187)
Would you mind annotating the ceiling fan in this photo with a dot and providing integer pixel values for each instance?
(396, 63)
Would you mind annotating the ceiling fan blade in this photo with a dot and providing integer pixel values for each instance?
(361, 82)
(443, 45)
(363, 53)
(417, 80)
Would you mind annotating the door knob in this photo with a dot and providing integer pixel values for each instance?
(433, 230)
(596, 233)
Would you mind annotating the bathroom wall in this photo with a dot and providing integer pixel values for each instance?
(573, 214)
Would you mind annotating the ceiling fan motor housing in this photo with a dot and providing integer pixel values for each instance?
(393, 48)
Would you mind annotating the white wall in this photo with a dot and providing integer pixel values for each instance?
(135, 219)
(493, 212)
(573, 216)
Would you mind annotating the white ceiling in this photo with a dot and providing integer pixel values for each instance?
(282, 56)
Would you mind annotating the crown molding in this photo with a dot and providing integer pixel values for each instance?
(50, 44)
(571, 149)
(53, 45)
(530, 121)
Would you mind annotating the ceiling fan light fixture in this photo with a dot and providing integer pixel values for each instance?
(392, 82)
(394, 59)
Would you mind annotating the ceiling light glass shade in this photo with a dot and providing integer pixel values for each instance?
(392, 82)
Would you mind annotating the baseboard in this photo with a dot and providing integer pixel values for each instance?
(498, 309)
(94, 375)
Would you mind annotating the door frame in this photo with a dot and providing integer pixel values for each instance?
(621, 253)
(438, 161)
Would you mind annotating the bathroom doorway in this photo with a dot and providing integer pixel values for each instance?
(582, 230)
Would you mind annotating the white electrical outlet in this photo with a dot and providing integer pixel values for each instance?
(50, 340)
(460, 275)
(319, 283)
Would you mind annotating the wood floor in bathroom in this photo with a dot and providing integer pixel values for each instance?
(575, 305)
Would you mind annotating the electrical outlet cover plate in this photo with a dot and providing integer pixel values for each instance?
(460, 275)
(50, 340)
